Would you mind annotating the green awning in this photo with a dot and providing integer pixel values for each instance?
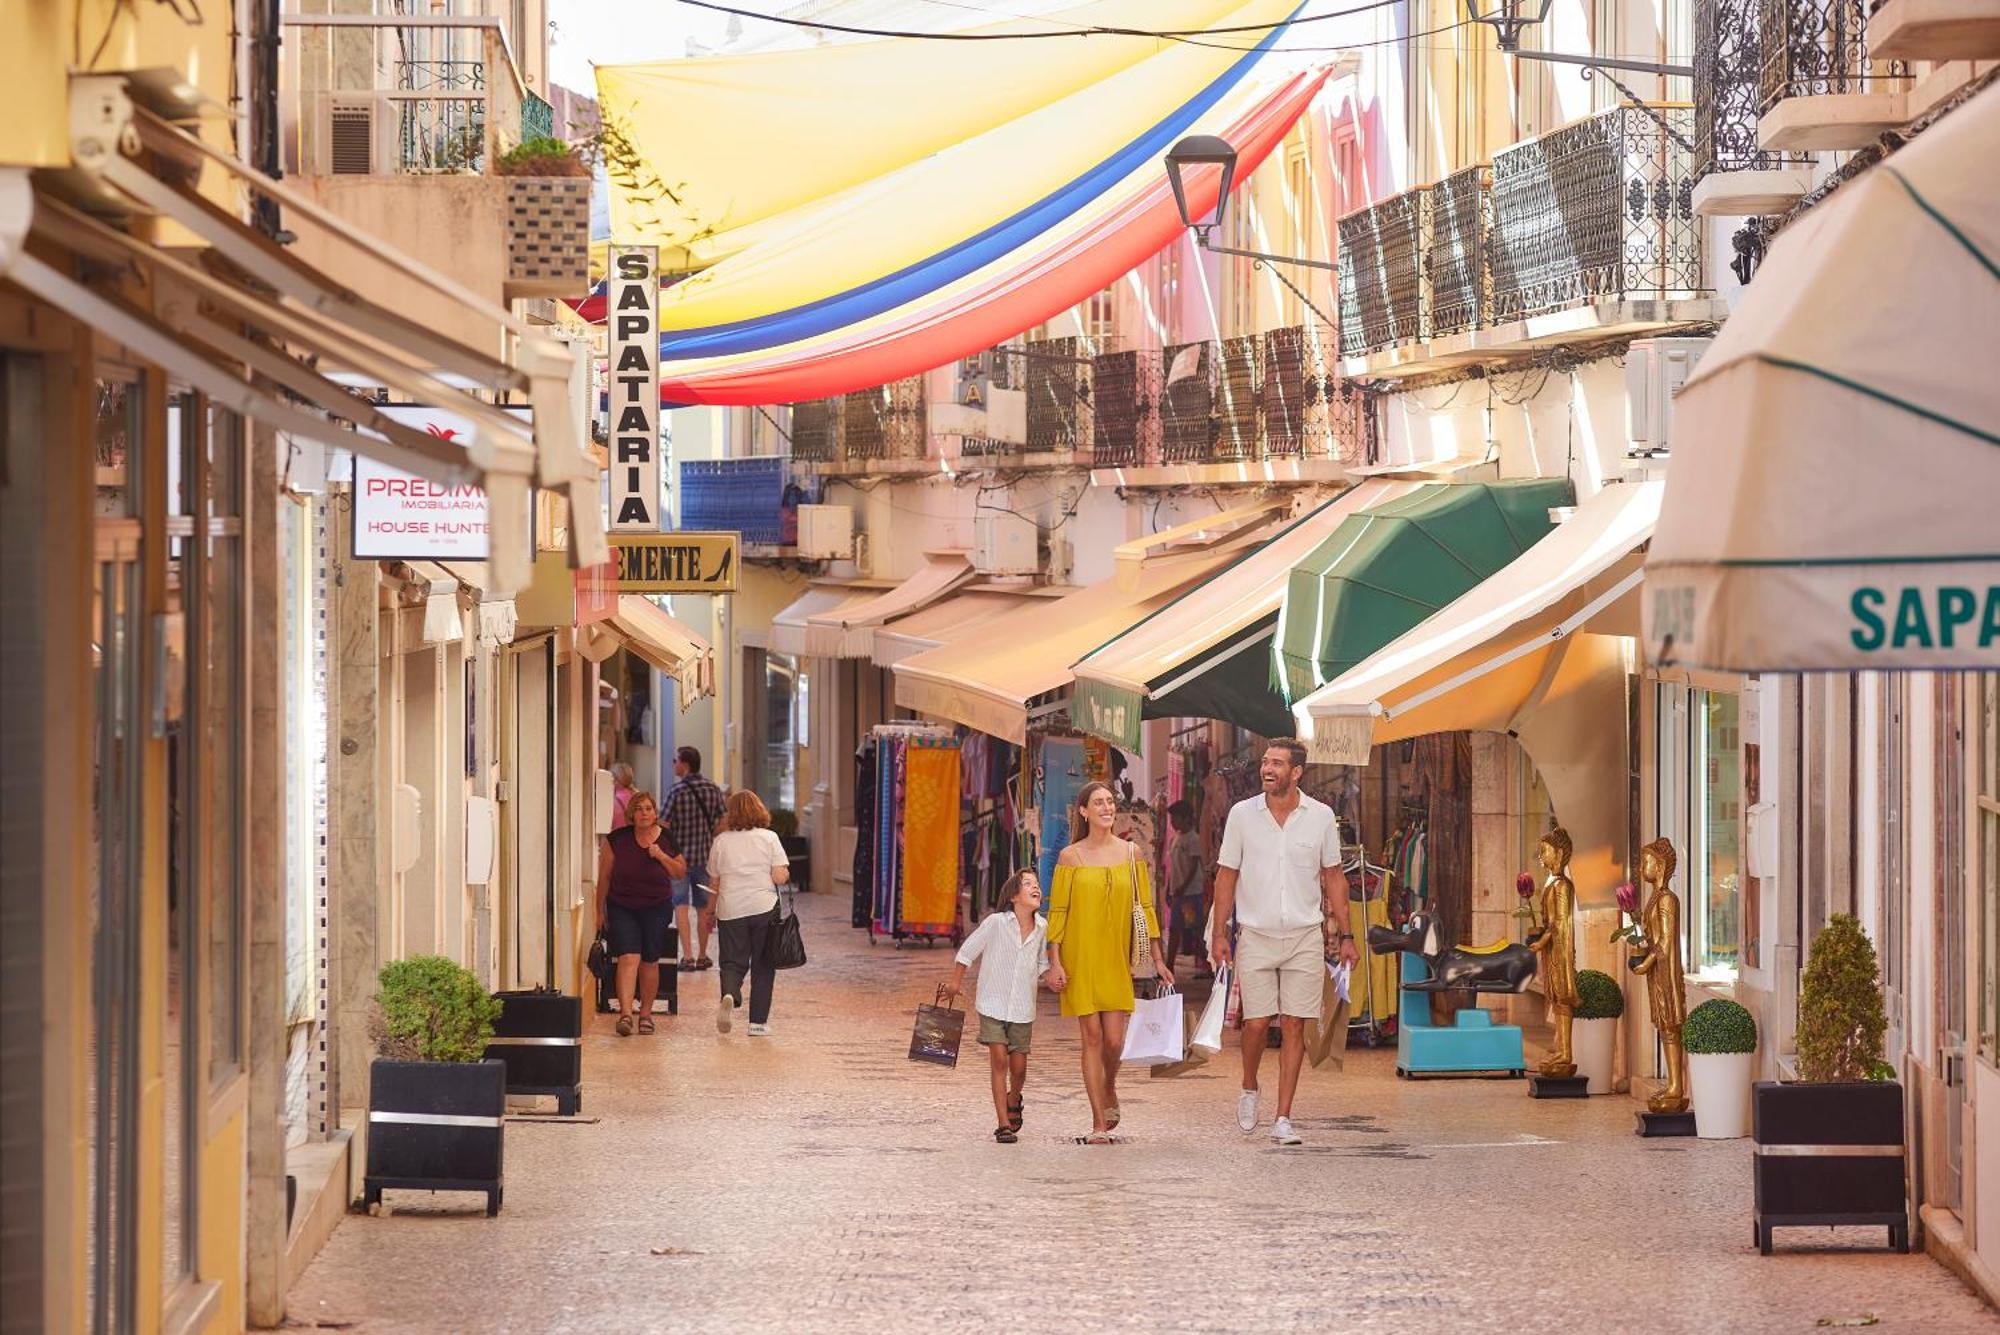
(1386, 569)
(1229, 680)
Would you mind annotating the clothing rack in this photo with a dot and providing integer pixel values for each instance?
(885, 755)
(1376, 1018)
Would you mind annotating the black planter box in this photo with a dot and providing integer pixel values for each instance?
(798, 852)
(539, 1036)
(1829, 1154)
(435, 1126)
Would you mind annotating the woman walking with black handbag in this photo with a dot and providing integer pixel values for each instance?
(748, 863)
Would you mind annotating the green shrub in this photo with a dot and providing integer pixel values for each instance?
(784, 822)
(1840, 1007)
(1719, 1026)
(541, 156)
(431, 1009)
(1598, 996)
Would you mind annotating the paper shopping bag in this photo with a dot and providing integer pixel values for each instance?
(937, 1033)
(1154, 1035)
(1208, 1030)
(1328, 1042)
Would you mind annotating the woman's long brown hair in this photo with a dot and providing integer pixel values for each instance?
(1079, 820)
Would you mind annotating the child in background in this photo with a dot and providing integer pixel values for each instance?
(1012, 942)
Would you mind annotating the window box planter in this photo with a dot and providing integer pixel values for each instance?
(548, 236)
(539, 1037)
(1830, 1154)
(435, 1126)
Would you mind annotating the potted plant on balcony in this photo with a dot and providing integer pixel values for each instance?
(435, 1105)
(1830, 1144)
(548, 218)
(1599, 1005)
(1721, 1041)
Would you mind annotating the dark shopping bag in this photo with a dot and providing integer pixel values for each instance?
(937, 1033)
(787, 948)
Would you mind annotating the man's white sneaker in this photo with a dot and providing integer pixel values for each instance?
(1282, 1133)
(1246, 1111)
(725, 1015)
(759, 1031)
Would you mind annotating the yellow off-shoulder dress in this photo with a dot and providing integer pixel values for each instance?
(1090, 919)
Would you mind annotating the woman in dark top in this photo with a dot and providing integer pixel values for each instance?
(635, 894)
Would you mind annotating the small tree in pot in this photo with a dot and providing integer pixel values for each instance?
(1721, 1040)
(1830, 1146)
(435, 1108)
(1600, 1003)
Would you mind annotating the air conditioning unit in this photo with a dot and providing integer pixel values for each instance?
(1655, 370)
(826, 532)
(357, 135)
(1062, 560)
(1005, 544)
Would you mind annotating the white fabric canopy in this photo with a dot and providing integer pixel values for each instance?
(944, 621)
(788, 628)
(670, 645)
(1830, 504)
(848, 631)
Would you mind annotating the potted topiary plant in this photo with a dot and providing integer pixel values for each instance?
(548, 218)
(1599, 1004)
(1721, 1040)
(1830, 1144)
(436, 1107)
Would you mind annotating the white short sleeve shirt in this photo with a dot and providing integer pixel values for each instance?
(1009, 966)
(1278, 866)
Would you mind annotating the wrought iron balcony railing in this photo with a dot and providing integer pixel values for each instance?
(1382, 279)
(816, 431)
(1125, 408)
(1728, 61)
(1187, 403)
(1455, 258)
(1239, 399)
(1059, 396)
(1599, 210)
(1308, 412)
(887, 422)
(1813, 48)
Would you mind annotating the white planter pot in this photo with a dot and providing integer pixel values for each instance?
(1593, 1042)
(1721, 1090)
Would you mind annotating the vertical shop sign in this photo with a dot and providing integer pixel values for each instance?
(633, 291)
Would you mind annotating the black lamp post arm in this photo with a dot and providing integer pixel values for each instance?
(1201, 233)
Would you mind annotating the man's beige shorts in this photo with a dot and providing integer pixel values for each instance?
(1280, 973)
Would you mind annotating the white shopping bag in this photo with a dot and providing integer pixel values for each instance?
(1155, 1034)
(1208, 1030)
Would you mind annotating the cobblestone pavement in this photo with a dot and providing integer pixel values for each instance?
(820, 1181)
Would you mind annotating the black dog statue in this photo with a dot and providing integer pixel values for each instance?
(1500, 967)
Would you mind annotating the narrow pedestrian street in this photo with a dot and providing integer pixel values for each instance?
(820, 1181)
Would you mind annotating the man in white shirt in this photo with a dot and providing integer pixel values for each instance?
(1279, 873)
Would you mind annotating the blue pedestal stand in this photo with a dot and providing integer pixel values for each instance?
(1473, 1045)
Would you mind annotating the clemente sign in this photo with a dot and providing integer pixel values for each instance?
(676, 562)
(633, 293)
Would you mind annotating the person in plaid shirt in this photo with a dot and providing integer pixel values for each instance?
(693, 807)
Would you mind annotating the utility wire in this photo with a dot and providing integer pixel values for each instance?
(1100, 31)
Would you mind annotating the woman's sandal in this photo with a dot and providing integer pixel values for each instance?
(1014, 1117)
(1097, 1138)
(624, 1026)
(1005, 1135)
(1112, 1117)
(645, 1024)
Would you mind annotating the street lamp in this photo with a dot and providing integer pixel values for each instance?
(1207, 150)
(1201, 150)
(1507, 18)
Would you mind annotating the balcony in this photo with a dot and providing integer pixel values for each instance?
(866, 432)
(1735, 176)
(1056, 374)
(1257, 408)
(1584, 234)
(1934, 30)
(1818, 88)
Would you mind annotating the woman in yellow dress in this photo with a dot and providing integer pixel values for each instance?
(1098, 879)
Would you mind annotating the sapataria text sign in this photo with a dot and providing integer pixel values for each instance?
(676, 562)
(633, 293)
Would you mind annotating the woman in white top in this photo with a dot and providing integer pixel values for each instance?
(746, 865)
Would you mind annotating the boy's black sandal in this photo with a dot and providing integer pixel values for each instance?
(1014, 1113)
(1005, 1135)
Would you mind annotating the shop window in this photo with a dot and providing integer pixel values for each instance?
(180, 1032)
(1699, 790)
(224, 659)
(1986, 769)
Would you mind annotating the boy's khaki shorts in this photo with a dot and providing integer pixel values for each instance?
(1015, 1034)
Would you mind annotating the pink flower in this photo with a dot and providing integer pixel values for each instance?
(1524, 886)
(1628, 898)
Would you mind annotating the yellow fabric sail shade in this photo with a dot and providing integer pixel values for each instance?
(878, 228)
(668, 644)
(848, 631)
(988, 678)
(1512, 646)
(703, 149)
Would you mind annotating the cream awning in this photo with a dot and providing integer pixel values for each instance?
(943, 622)
(988, 680)
(848, 631)
(788, 628)
(265, 313)
(1208, 654)
(1836, 454)
(668, 644)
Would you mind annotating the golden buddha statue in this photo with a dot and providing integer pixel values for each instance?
(1657, 958)
(1555, 941)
